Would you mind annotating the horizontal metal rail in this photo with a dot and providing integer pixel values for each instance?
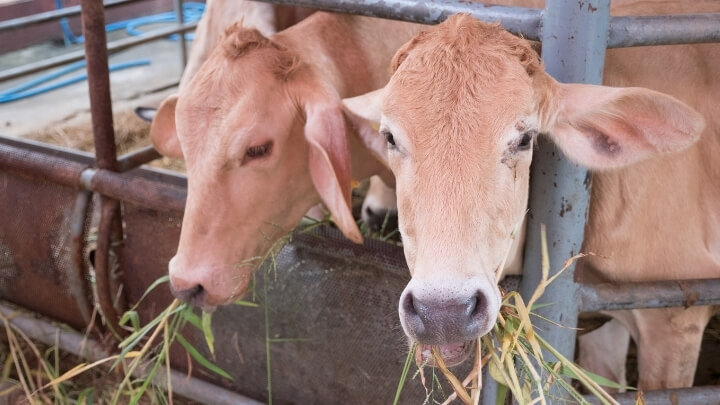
(663, 30)
(137, 158)
(121, 186)
(624, 31)
(20, 22)
(87, 159)
(518, 20)
(652, 294)
(75, 56)
(685, 396)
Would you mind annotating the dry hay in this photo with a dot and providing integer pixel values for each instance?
(131, 133)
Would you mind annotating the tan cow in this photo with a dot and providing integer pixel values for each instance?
(262, 131)
(460, 116)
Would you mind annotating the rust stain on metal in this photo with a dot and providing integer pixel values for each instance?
(77, 270)
(691, 296)
(35, 242)
(105, 261)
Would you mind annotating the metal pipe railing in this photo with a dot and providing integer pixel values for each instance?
(96, 55)
(663, 30)
(623, 31)
(115, 46)
(122, 186)
(518, 20)
(573, 51)
(39, 18)
(650, 294)
(110, 228)
(182, 43)
(137, 158)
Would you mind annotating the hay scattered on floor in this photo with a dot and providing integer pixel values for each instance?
(131, 133)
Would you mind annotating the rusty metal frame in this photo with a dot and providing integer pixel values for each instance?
(39, 18)
(76, 274)
(115, 46)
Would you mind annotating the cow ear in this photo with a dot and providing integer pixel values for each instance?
(163, 133)
(363, 114)
(329, 164)
(604, 127)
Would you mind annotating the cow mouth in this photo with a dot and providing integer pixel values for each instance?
(452, 354)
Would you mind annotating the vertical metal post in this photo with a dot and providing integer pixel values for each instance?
(574, 38)
(96, 56)
(178, 5)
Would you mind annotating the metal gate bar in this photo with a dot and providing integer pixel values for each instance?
(573, 51)
(39, 18)
(122, 186)
(109, 234)
(663, 30)
(115, 46)
(652, 294)
(624, 31)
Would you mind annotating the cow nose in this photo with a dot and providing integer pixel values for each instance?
(443, 321)
(380, 219)
(196, 295)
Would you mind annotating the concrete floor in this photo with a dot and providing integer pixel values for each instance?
(146, 85)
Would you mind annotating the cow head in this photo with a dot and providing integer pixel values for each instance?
(459, 119)
(264, 140)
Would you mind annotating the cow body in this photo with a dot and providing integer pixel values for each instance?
(654, 213)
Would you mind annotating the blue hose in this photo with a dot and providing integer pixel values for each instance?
(191, 13)
(26, 90)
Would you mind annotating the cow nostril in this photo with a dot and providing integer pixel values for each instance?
(193, 296)
(369, 211)
(409, 305)
(472, 306)
(477, 305)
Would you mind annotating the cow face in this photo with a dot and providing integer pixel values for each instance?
(459, 119)
(263, 141)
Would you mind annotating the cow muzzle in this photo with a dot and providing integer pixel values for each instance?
(206, 287)
(448, 317)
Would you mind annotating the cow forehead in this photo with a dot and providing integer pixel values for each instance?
(435, 117)
(235, 103)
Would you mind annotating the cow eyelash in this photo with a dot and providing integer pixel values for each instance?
(389, 138)
(526, 140)
(258, 151)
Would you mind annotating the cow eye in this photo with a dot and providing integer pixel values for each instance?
(389, 138)
(257, 151)
(526, 140)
